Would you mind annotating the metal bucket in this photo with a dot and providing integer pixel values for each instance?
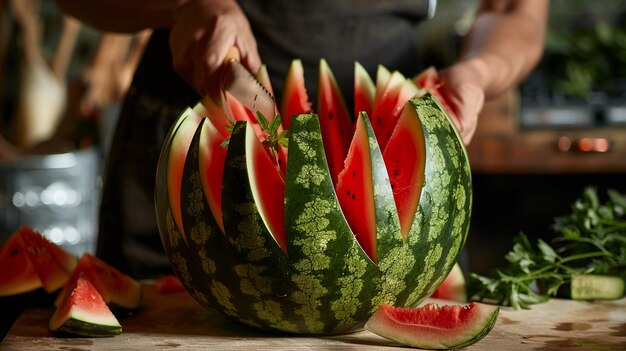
(57, 195)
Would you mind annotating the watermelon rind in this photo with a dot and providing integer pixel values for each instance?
(83, 313)
(473, 323)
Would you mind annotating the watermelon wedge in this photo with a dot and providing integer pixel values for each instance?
(364, 91)
(295, 99)
(116, 288)
(83, 313)
(355, 190)
(336, 123)
(405, 159)
(17, 274)
(434, 327)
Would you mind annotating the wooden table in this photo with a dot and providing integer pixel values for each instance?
(177, 322)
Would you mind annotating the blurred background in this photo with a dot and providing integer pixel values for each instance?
(536, 148)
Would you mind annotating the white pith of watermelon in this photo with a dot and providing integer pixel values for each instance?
(17, 274)
(355, 190)
(115, 287)
(434, 327)
(295, 99)
(364, 91)
(180, 147)
(264, 78)
(335, 121)
(83, 312)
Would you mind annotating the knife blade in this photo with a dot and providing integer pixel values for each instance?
(243, 85)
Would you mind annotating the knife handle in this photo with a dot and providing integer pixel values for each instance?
(232, 54)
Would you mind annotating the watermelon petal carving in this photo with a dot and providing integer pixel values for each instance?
(295, 251)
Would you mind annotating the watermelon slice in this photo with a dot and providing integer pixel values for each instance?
(405, 160)
(295, 99)
(434, 327)
(268, 188)
(335, 121)
(355, 190)
(429, 79)
(116, 288)
(176, 163)
(83, 313)
(30, 261)
(211, 159)
(364, 91)
(17, 275)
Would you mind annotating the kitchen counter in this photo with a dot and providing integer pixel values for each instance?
(176, 321)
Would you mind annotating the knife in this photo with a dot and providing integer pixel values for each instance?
(243, 85)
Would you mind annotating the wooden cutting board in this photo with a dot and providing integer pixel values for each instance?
(177, 322)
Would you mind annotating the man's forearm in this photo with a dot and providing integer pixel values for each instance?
(124, 16)
(506, 42)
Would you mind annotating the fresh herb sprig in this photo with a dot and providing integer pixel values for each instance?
(592, 239)
(273, 140)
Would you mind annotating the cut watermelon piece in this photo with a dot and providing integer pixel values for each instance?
(52, 264)
(434, 327)
(405, 160)
(211, 158)
(17, 275)
(335, 121)
(268, 188)
(453, 287)
(429, 79)
(383, 119)
(176, 163)
(116, 288)
(364, 91)
(83, 313)
(295, 99)
(355, 190)
(169, 284)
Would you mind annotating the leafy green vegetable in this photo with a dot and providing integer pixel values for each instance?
(592, 239)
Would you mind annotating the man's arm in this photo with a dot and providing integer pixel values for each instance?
(504, 44)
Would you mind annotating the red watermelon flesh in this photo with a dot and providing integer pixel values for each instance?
(434, 327)
(383, 120)
(364, 91)
(335, 121)
(17, 274)
(216, 115)
(295, 99)
(404, 158)
(453, 287)
(429, 79)
(355, 191)
(176, 163)
(52, 264)
(268, 188)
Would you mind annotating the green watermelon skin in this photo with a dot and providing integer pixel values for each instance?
(326, 284)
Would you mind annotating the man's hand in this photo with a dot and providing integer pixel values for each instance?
(203, 32)
(462, 88)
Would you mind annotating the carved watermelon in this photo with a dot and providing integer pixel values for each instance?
(348, 227)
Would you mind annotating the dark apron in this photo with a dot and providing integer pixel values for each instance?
(369, 31)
